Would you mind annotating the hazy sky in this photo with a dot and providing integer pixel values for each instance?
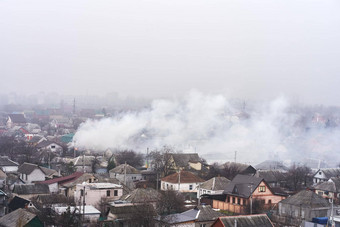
(152, 48)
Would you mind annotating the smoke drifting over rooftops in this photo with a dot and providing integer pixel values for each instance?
(216, 128)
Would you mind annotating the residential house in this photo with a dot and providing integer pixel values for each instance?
(27, 191)
(68, 189)
(49, 146)
(244, 189)
(200, 216)
(215, 185)
(36, 140)
(89, 212)
(181, 161)
(274, 178)
(126, 174)
(322, 175)
(33, 173)
(258, 220)
(182, 181)
(55, 183)
(142, 196)
(7, 165)
(16, 120)
(83, 163)
(94, 192)
(239, 168)
(328, 189)
(18, 202)
(22, 218)
(305, 205)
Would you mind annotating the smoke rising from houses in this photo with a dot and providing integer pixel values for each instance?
(216, 127)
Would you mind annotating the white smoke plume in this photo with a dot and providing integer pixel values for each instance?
(215, 128)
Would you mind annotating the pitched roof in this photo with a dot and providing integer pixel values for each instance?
(36, 139)
(184, 176)
(27, 189)
(5, 161)
(18, 202)
(242, 185)
(330, 172)
(78, 161)
(19, 217)
(271, 175)
(27, 168)
(45, 143)
(17, 118)
(241, 168)
(79, 180)
(63, 180)
(336, 181)
(306, 199)
(271, 165)
(259, 220)
(121, 169)
(207, 213)
(182, 159)
(215, 183)
(142, 195)
(328, 186)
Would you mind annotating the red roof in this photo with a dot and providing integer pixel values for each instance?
(63, 180)
(186, 177)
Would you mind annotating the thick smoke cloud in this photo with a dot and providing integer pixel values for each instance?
(216, 128)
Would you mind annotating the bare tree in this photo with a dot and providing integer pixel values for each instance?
(170, 202)
(130, 157)
(298, 177)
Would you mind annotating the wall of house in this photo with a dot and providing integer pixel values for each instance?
(296, 212)
(319, 177)
(53, 187)
(218, 224)
(267, 195)
(183, 187)
(36, 175)
(209, 192)
(93, 196)
(196, 166)
(231, 207)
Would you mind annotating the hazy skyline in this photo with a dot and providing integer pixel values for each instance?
(243, 49)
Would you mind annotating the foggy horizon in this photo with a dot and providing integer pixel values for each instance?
(160, 49)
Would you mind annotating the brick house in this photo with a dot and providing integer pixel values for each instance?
(242, 190)
(182, 181)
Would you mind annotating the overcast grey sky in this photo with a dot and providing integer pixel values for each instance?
(156, 48)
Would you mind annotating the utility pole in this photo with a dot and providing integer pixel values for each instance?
(251, 198)
(179, 180)
(84, 161)
(125, 173)
(84, 205)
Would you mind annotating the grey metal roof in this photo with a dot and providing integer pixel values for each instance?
(207, 213)
(27, 189)
(19, 217)
(242, 185)
(215, 183)
(306, 199)
(330, 172)
(260, 220)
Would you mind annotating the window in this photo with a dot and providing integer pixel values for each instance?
(269, 201)
(319, 173)
(115, 193)
(244, 201)
(204, 191)
(81, 192)
(190, 187)
(203, 225)
(108, 192)
(228, 199)
(238, 201)
(233, 199)
(262, 188)
(53, 146)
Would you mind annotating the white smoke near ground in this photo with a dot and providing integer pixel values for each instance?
(215, 128)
